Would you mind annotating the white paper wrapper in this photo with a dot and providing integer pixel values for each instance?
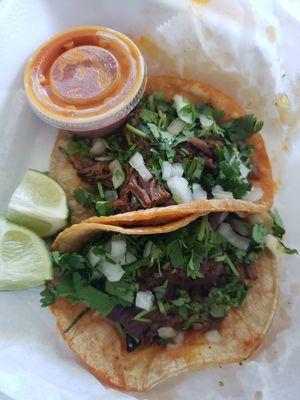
(248, 49)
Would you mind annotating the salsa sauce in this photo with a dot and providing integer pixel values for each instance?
(84, 72)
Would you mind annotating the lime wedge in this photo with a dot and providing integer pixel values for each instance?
(24, 258)
(39, 203)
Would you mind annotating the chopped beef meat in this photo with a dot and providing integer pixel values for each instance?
(149, 279)
(92, 171)
(146, 332)
(251, 271)
(208, 323)
(125, 315)
(144, 146)
(149, 194)
(241, 270)
(201, 145)
(210, 164)
(80, 163)
(169, 202)
(247, 271)
(159, 320)
(214, 273)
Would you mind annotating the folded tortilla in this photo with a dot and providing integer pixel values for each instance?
(65, 174)
(101, 348)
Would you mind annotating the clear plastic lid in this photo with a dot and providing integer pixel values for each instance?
(85, 78)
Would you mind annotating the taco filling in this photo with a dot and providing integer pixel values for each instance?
(154, 287)
(169, 152)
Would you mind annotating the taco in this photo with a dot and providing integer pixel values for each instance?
(186, 148)
(139, 305)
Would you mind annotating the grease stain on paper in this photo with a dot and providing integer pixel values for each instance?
(154, 55)
(258, 395)
(286, 145)
(271, 34)
(200, 2)
(282, 104)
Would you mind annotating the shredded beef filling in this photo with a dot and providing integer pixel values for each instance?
(149, 194)
(92, 171)
(139, 332)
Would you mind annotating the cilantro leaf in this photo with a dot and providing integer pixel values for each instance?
(85, 197)
(287, 250)
(230, 177)
(259, 233)
(149, 116)
(193, 169)
(175, 254)
(277, 228)
(68, 261)
(124, 290)
(193, 267)
(80, 146)
(242, 128)
(96, 300)
(104, 208)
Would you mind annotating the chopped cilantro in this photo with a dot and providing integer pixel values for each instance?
(189, 293)
(80, 146)
(278, 229)
(259, 232)
(104, 208)
(242, 128)
(85, 197)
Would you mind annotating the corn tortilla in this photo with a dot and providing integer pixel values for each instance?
(64, 173)
(99, 346)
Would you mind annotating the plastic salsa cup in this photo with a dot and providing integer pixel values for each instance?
(85, 79)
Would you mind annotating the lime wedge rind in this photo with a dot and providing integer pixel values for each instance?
(24, 259)
(39, 203)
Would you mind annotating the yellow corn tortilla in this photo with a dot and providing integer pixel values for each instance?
(64, 173)
(99, 346)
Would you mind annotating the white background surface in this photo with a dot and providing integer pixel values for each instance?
(249, 49)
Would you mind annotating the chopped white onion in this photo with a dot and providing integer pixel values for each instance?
(244, 170)
(219, 193)
(110, 195)
(118, 248)
(198, 192)
(177, 341)
(137, 162)
(254, 194)
(240, 227)
(232, 237)
(206, 122)
(147, 249)
(166, 332)
(169, 170)
(103, 158)
(166, 170)
(213, 336)
(118, 176)
(180, 188)
(179, 102)
(112, 272)
(92, 258)
(98, 147)
(273, 245)
(176, 126)
(144, 300)
(177, 170)
(130, 258)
